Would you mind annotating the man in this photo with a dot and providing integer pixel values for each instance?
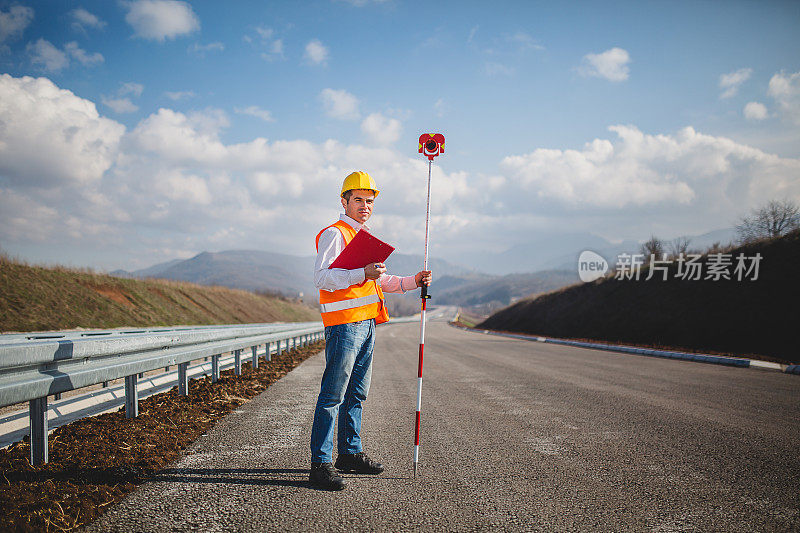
(351, 304)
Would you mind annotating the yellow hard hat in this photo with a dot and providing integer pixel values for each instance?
(359, 180)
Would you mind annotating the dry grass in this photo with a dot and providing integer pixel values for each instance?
(39, 298)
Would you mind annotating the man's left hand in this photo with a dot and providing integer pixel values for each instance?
(423, 277)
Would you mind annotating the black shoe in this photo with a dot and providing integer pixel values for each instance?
(357, 463)
(323, 476)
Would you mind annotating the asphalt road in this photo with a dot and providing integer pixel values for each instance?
(516, 435)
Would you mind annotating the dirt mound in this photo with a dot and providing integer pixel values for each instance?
(113, 293)
(95, 462)
(750, 317)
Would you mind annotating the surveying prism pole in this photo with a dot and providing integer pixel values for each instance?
(431, 145)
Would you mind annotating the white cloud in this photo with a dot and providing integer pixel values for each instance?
(731, 81)
(276, 48)
(159, 20)
(50, 136)
(440, 107)
(340, 104)
(316, 53)
(523, 41)
(24, 219)
(14, 21)
(495, 69)
(81, 55)
(52, 59)
(755, 111)
(176, 185)
(264, 32)
(255, 111)
(82, 19)
(472, 34)
(46, 55)
(266, 41)
(637, 169)
(381, 130)
(173, 183)
(120, 105)
(202, 49)
(785, 89)
(611, 65)
(135, 89)
(179, 95)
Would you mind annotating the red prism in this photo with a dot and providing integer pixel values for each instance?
(431, 144)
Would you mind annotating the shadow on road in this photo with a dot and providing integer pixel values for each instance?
(281, 477)
(285, 477)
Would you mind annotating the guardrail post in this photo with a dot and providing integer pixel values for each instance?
(131, 396)
(255, 357)
(105, 384)
(183, 379)
(267, 350)
(237, 362)
(214, 368)
(37, 411)
(278, 348)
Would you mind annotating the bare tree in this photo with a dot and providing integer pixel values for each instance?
(654, 246)
(678, 246)
(777, 218)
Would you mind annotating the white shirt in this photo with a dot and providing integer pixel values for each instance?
(330, 245)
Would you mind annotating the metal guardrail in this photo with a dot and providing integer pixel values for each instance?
(35, 366)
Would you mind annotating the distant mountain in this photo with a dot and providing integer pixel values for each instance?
(498, 291)
(722, 236)
(150, 272)
(407, 264)
(560, 251)
(253, 270)
(541, 252)
(485, 293)
(543, 264)
(269, 271)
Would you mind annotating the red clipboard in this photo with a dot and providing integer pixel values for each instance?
(362, 249)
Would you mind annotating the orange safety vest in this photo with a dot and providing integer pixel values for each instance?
(357, 302)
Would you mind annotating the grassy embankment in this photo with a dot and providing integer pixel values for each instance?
(36, 298)
(746, 318)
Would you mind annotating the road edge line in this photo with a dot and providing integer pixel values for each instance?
(666, 354)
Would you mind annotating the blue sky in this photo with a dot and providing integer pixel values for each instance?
(224, 125)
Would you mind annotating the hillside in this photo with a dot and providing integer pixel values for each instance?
(757, 317)
(258, 270)
(490, 293)
(240, 269)
(34, 298)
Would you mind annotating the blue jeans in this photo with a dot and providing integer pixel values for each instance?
(345, 384)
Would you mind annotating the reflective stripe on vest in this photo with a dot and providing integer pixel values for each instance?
(349, 304)
(361, 301)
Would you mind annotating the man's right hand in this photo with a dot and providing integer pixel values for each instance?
(374, 270)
